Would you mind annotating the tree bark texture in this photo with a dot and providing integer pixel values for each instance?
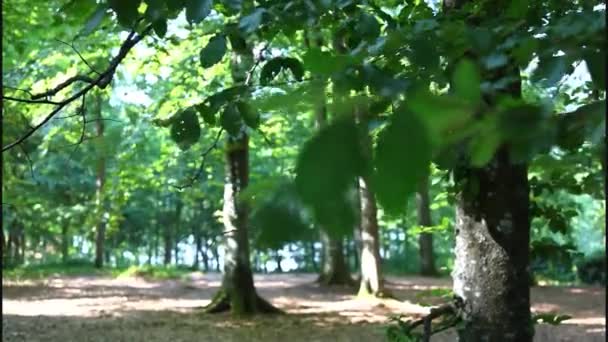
(371, 275)
(425, 240)
(100, 231)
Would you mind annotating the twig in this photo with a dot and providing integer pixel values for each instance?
(201, 167)
(82, 112)
(19, 89)
(79, 55)
(101, 82)
(266, 139)
(257, 62)
(62, 85)
(29, 160)
(16, 99)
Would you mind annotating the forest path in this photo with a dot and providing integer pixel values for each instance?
(93, 308)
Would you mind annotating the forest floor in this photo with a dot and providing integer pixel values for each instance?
(96, 308)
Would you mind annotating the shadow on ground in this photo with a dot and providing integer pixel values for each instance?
(104, 309)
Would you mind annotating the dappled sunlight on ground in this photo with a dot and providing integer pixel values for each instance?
(83, 306)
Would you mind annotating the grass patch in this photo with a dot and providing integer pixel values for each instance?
(86, 268)
(48, 270)
(156, 272)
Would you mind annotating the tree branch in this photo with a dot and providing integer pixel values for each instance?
(79, 55)
(101, 82)
(201, 167)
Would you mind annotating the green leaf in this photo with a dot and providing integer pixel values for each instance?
(185, 128)
(160, 27)
(467, 82)
(207, 112)
(230, 119)
(157, 9)
(423, 52)
(325, 63)
(94, 20)
(126, 11)
(274, 66)
(367, 27)
(326, 169)
(248, 114)
(443, 116)
(197, 10)
(214, 51)
(382, 83)
(251, 22)
(517, 9)
(550, 70)
(402, 158)
(483, 146)
(278, 218)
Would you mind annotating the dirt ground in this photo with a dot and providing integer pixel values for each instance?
(105, 309)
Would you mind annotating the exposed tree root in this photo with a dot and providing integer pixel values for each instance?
(222, 302)
(406, 328)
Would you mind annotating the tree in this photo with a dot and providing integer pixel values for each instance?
(238, 292)
(100, 228)
(425, 240)
(372, 281)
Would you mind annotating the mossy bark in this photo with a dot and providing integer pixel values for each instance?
(490, 274)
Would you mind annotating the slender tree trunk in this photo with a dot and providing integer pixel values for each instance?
(176, 229)
(372, 282)
(100, 231)
(425, 240)
(238, 292)
(168, 246)
(3, 249)
(65, 242)
(312, 254)
(204, 255)
(216, 257)
(197, 249)
(278, 258)
(334, 270)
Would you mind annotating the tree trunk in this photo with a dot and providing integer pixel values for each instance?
(65, 242)
(3, 249)
(176, 230)
(100, 231)
(312, 254)
(216, 256)
(425, 240)
(334, 270)
(205, 256)
(168, 246)
(238, 292)
(491, 276)
(197, 249)
(371, 275)
(278, 258)
(492, 253)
